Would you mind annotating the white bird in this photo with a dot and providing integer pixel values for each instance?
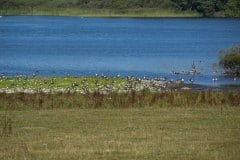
(215, 79)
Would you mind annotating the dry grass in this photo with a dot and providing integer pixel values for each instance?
(134, 133)
(132, 99)
(134, 125)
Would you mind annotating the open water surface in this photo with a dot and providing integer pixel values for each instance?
(57, 46)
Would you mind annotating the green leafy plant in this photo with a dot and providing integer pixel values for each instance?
(229, 60)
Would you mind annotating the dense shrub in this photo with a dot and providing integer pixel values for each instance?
(230, 60)
(233, 8)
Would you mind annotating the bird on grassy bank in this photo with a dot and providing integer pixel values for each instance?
(191, 81)
(75, 84)
(180, 81)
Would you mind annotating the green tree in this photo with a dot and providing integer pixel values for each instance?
(185, 4)
(220, 5)
(230, 60)
(233, 8)
(207, 8)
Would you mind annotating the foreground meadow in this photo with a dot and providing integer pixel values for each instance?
(133, 133)
(114, 118)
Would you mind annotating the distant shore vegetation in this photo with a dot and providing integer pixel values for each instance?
(125, 8)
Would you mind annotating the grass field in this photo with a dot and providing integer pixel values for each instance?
(135, 133)
(141, 125)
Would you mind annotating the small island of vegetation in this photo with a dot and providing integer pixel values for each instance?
(123, 8)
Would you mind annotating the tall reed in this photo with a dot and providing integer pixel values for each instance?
(118, 100)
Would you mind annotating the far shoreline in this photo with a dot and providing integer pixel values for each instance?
(104, 13)
(173, 16)
(98, 16)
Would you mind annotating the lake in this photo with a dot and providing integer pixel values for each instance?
(58, 46)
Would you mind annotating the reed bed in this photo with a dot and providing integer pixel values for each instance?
(132, 99)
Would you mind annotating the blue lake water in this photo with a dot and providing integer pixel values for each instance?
(57, 46)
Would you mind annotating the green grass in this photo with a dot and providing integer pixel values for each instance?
(58, 82)
(141, 12)
(142, 134)
(142, 125)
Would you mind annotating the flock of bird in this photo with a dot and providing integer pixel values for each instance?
(100, 83)
(130, 83)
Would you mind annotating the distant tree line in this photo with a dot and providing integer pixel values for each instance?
(206, 8)
(210, 7)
